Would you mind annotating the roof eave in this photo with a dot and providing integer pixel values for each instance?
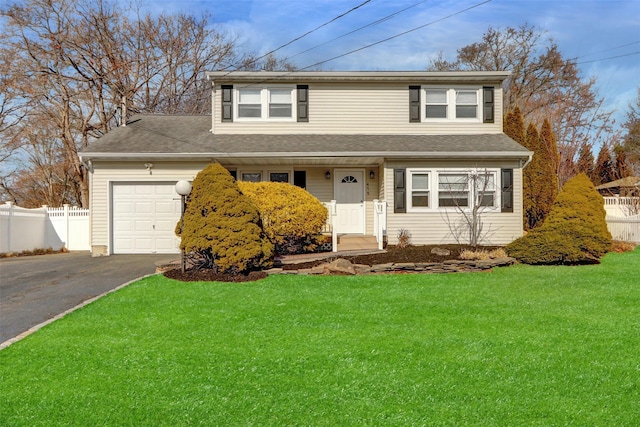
(354, 76)
(525, 155)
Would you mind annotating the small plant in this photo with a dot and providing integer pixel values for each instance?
(404, 238)
(620, 246)
(482, 255)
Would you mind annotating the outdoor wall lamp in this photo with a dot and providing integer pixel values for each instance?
(372, 174)
(148, 166)
(327, 174)
(183, 188)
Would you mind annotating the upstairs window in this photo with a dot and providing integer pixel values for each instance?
(249, 103)
(466, 104)
(442, 104)
(280, 103)
(265, 103)
(436, 107)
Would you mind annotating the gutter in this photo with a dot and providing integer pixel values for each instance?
(302, 155)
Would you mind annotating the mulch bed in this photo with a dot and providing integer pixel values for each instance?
(208, 275)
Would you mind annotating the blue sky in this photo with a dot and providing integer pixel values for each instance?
(590, 31)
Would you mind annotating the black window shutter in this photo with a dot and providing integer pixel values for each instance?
(303, 103)
(487, 95)
(399, 191)
(414, 104)
(507, 190)
(227, 103)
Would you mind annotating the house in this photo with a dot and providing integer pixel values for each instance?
(629, 186)
(392, 150)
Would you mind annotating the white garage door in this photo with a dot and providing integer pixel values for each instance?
(144, 218)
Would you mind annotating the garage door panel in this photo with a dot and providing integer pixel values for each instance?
(144, 218)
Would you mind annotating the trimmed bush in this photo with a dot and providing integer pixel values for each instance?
(291, 217)
(222, 227)
(575, 231)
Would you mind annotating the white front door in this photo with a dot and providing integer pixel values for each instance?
(349, 188)
(144, 218)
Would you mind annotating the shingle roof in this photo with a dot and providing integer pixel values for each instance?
(190, 136)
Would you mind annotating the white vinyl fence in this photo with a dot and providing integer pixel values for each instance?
(625, 228)
(24, 229)
(623, 218)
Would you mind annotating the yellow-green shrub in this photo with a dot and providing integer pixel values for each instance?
(574, 232)
(290, 215)
(221, 225)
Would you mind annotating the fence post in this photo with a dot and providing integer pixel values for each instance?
(334, 233)
(66, 224)
(9, 232)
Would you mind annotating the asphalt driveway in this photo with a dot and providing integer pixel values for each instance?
(37, 288)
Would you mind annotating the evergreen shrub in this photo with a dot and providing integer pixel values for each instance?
(291, 217)
(574, 232)
(222, 227)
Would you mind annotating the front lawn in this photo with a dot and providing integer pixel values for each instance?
(518, 346)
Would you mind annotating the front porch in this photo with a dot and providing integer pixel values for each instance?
(357, 241)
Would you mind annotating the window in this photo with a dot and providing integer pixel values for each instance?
(466, 104)
(265, 103)
(450, 188)
(451, 104)
(485, 189)
(249, 103)
(279, 176)
(419, 190)
(280, 103)
(453, 190)
(436, 104)
(252, 176)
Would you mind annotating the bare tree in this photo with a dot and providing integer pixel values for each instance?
(470, 193)
(543, 84)
(79, 59)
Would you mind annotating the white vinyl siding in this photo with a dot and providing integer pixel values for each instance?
(431, 226)
(360, 108)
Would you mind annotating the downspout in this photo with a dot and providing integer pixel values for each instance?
(524, 165)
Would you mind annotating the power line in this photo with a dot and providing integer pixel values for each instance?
(606, 50)
(253, 61)
(397, 35)
(371, 24)
(610, 57)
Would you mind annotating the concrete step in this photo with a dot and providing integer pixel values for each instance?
(351, 242)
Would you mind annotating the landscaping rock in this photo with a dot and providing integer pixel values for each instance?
(441, 252)
(340, 266)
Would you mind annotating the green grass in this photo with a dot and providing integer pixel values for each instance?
(520, 346)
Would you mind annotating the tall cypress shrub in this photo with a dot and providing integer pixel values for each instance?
(540, 181)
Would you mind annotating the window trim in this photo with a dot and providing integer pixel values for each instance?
(265, 92)
(434, 189)
(451, 92)
(410, 190)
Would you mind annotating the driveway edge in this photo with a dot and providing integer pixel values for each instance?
(35, 328)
